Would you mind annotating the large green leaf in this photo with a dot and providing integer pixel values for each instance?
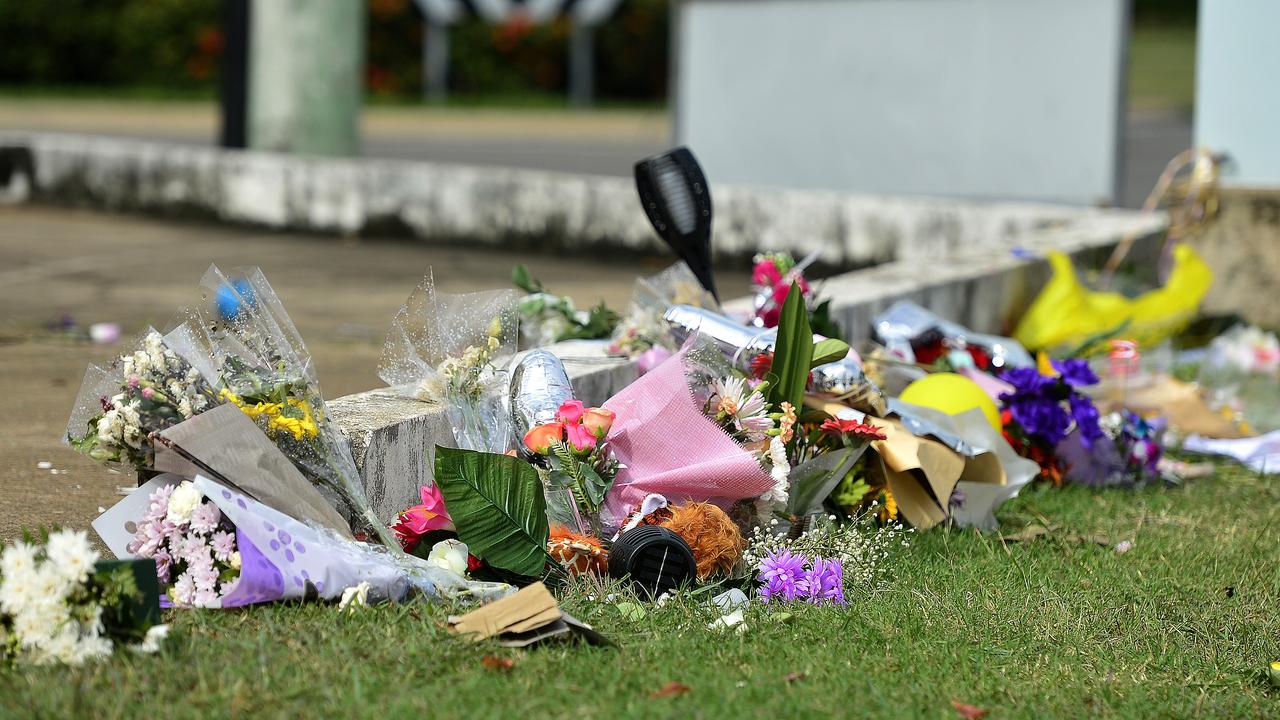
(497, 505)
(792, 352)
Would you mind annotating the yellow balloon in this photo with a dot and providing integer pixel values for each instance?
(952, 394)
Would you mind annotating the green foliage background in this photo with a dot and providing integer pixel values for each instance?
(175, 45)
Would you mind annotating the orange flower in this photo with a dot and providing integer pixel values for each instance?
(598, 421)
(539, 438)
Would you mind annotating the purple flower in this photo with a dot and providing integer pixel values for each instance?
(779, 573)
(1042, 418)
(1026, 381)
(823, 583)
(1086, 417)
(1075, 373)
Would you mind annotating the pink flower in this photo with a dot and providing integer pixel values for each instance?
(148, 393)
(134, 381)
(651, 358)
(163, 564)
(571, 412)
(422, 519)
(598, 421)
(766, 274)
(204, 519)
(581, 439)
(539, 438)
(224, 543)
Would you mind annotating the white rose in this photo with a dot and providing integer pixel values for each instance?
(450, 555)
(354, 597)
(184, 500)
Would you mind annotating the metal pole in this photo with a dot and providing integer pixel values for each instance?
(435, 60)
(581, 65)
(233, 85)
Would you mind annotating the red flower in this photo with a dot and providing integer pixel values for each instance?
(840, 426)
(761, 365)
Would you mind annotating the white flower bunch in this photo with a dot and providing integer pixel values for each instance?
(155, 379)
(38, 598)
(864, 548)
(194, 548)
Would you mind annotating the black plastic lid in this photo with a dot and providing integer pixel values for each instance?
(656, 559)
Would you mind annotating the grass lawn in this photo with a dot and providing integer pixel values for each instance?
(1184, 624)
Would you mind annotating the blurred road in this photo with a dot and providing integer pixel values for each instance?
(137, 272)
(596, 142)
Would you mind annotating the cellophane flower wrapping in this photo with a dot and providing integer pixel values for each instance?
(240, 330)
(446, 348)
(666, 444)
(252, 553)
(643, 334)
(145, 390)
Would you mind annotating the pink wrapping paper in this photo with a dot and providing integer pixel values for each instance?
(668, 446)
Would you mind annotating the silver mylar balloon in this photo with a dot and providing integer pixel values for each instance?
(539, 386)
(739, 342)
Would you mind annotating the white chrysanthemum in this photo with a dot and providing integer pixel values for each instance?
(70, 554)
(18, 559)
(109, 426)
(18, 590)
(50, 583)
(182, 502)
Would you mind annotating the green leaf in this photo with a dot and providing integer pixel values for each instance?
(521, 278)
(595, 485)
(792, 351)
(812, 481)
(828, 351)
(631, 612)
(497, 505)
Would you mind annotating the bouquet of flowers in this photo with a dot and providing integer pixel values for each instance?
(192, 543)
(643, 335)
(771, 277)
(579, 466)
(237, 346)
(1128, 454)
(142, 392)
(739, 408)
(444, 348)
(547, 318)
(215, 547)
(1046, 404)
(59, 605)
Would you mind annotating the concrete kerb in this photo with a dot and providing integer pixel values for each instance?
(558, 211)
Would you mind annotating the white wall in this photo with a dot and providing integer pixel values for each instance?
(1015, 99)
(1238, 87)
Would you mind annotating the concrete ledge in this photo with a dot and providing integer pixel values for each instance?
(498, 206)
(393, 438)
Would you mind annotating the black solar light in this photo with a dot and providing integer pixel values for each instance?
(676, 198)
(655, 559)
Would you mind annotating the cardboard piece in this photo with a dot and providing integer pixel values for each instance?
(922, 473)
(523, 619)
(229, 442)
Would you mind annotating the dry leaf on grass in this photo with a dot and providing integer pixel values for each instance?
(500, 664)
(793, 677)
(968, 712)
(671, 689)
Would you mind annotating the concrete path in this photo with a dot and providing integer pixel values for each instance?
(595, 142)
(138, 272)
